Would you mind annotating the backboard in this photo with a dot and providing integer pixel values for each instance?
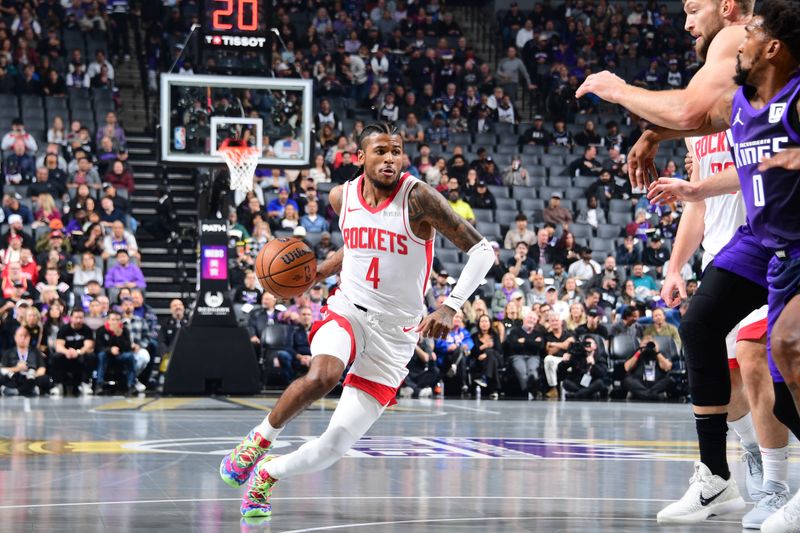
(198, 112)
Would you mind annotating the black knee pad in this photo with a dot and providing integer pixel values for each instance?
(706, 361)
(785, 410)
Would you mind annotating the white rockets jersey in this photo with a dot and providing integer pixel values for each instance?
(385, 267)
(724, 213)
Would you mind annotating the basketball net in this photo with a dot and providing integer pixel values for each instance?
(242, 161)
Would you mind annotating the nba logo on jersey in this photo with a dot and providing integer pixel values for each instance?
(776, 112)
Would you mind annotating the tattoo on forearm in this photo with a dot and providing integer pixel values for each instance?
(426, 205)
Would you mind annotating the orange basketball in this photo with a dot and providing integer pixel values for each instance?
(286, 267)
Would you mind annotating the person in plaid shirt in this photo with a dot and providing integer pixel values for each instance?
(140, 335)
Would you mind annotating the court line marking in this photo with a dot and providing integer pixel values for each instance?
(487, 519)
(302, 498)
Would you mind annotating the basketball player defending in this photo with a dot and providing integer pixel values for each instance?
(718, 27)
(388, 220)
(764, 119)
(714, 222)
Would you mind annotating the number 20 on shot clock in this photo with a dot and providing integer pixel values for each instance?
(240, 24)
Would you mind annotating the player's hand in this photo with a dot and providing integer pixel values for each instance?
(669, 190)
(437, 324)
(673, 291)
(641, 161)
(606, 85)
(788, 159)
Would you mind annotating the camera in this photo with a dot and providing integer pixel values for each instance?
(578, 349)
(648, 352)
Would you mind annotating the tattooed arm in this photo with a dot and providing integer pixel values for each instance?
(429, 212)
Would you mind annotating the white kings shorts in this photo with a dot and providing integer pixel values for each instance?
(378, 346)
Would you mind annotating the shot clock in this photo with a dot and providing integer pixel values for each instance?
(235, 35)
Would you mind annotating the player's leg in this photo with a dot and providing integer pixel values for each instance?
(784, 339)
(720, 303)
(323, 375)
(352, 418)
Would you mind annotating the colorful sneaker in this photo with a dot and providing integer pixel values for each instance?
(256, 499)
(708, 495)
(237, 465)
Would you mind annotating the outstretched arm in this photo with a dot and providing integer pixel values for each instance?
(428, 211)
(669, 190)
(681, 109)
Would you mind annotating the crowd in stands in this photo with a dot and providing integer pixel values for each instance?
(579, 254)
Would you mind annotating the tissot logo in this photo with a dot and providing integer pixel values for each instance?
(236, 40)
(214, 227)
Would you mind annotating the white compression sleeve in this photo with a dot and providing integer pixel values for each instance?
(352, 418)
(481, 259)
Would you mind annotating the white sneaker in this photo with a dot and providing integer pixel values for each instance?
(85, 389)
(57, 391)
(708, 495)
(406, 392)
(426, 392)
(753, 475)
(139, 386)
(774, 496)
(786, 519)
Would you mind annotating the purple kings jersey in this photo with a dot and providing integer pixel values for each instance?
(771, 198)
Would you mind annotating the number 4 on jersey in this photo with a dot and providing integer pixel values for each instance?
(372, 273)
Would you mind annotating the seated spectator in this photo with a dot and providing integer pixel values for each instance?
(592, 325)
(389, 110)
(92, 240)
(29, 83)
(54, 85)
(482, 197)
(295, 358)
(13, 252)
(250, 292)
(110, 213)
(648, 372)
(561, 135)
(461, 207)
(22, 368)
(290, 218)
(437, 173)
(276, 207)
(640, 227)
(655, 255)
(628, 253)
(324, 246)
(581, 372)
(489, 173)
(96, 65)
(57, 133)
(140, 339)
(106, 154)
(113, 343)
(262, 316)
(516, 174)
(73, 359)
(88, 270)
(454, 350)
(85, 173)
(538, 293)
(524, 348)
(558, 340)
(537, 134)
(47, 211)
(627, 324)
(521, 264)
(588, 165)
(567, 251)
(18, 133)
(588, 136)
(120, 239)
(661, 328)
(312, 221)
(585, 269)
(169, 331)
(17, 215)
(30, 270)
(44, 185)
(456, 122)
(642, 282)
(411, 131)
(572, 295)
(604, 189)
(592, 214)
(320, 172)
(519, 233)
(423, 374)
(438, 132)
(124, 273)
(609, 271)
(555, 214)
(18, 169)
(51, 281)
(482, 122)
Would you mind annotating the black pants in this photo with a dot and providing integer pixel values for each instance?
(26, 385)
(581, 392)
(721, 302)
(647, 390)
(421, 379)
(489, 367)
(120, 43)
(72, 372)
(785, 410)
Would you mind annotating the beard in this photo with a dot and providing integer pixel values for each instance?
(381, 185)
(705, 43)
(742, 74)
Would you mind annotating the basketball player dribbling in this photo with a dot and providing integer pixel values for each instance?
(764, 119)
(388, 221)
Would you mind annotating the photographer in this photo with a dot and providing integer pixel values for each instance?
(580, 373)
(648, 372)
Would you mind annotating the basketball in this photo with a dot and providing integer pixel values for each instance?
(286, 267)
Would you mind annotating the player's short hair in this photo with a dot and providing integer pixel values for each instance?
(745, 6)
(782, 22)
(376, 128)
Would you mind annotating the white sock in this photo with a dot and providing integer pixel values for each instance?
(776, 464)
(353, 416)
(267, 431)
(747, 433)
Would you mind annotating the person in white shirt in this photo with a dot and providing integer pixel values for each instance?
(586, 268)
(380, 66)
(525, 34)
(99, 61)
